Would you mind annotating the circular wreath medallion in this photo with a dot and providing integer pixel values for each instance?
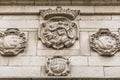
(104, 42)
(12, 42)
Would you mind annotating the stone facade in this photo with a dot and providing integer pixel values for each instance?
(85, 64)
(60, 2)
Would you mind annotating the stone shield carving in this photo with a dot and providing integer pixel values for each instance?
(58, 66)
(12, 42)
(104, 42)
(58, 31)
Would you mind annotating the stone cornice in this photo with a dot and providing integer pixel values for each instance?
(84, 10)
(59, 2)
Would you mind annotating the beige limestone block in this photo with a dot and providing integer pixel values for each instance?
(104, 61)
(27, 61)
(17, 72)
(112, 72)
(87, 72)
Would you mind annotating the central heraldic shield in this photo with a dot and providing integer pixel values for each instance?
(58, 31)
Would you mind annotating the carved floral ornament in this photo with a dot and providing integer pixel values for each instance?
(12, 42)
(58, 31)
(104, 42)
(58, 66)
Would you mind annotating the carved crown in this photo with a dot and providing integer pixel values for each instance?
(15, 31)
(59, 11)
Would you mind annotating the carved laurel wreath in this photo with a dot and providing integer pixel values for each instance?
(104, 42)
(12, 42)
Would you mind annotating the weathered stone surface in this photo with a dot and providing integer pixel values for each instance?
(95, 17)
(32, 43)
(4, 61)
(15, 79)
(77, 79)
(27, 61)
(19, 23)
(78, 71)
(97, 2)
(84, 46)
(43, 3)
(25, 2)
(92, 2)
(115, 2)
(79, 60)
(61, 2)
(107, 9)
(35, 9)
(18, 9)
(23, 72)
(20, 17)
(104, 61)
(57, 2)
(73, 52)
(6, 9)
(99, 24)
(83, 9)
(115, 17)
(7, 2)
(112, 71)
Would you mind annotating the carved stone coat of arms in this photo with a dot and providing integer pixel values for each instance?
(104, 42)
(58, 66)
(58, 31)
(12, 42)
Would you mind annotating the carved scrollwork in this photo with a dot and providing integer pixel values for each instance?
(58, 66)
(58, 32)
(12, 42)
(104, 42)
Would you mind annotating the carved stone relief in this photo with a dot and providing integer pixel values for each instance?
(104, 42)
(58, 66)
(12, 42)
(58, 31)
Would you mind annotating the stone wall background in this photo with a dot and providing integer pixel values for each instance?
(84, 62)
(59, 2)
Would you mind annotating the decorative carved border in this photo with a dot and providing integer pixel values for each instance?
(104, 42)
(58, 31)
(12, 42)
(58, 66)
